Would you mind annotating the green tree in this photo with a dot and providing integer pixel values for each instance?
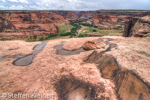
(80, 35)
(42, 38)
(35, 36)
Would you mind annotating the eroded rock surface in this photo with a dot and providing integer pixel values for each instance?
(109, 21)
(100, 74)
(137, 27)
(108, 66)
(91, 45)
(29, 23)
(131, 87)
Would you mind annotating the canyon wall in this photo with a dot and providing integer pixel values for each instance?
(111, 19)
(28, 23)
(86, 14)
(17, 24)
(68, 15)
(137, 27)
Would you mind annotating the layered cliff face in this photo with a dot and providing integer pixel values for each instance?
(86, 14)
(137, 27)
(68, 15)
(110, 18)
(26, 24)
(131, 13)
(56, 18)
(1, 24)
(29, 23)
(109, 21)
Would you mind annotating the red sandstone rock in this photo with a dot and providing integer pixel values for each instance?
(86, 14)
(25, 24)
(130, 87)
(55, 17)
(108, 66)
(98, 18)
(90, 45)
(137, 27)
(144, 31)
(109, 21)
(145, 19)
(1, 23)
(68, 15)
(70, 77)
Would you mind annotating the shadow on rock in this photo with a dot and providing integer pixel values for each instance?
(72, 89)
(127, 83)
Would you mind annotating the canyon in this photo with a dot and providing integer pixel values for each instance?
(20, 24)
(95, 67)
(115, 19)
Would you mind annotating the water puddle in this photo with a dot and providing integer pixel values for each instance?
(109, 39)
(67, 52)
(100, 40)
(40, 46)
(18, 56)
(15, 56)
(95, 56)
(26, 60)
(2, 58)
(112, 45)
(61, 51)
(58, 46)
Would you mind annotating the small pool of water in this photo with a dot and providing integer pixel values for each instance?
(27, 60)
(18, 56)
(2, 58)
(61, 51)
(67, 52)
(100, 40)
(40, 46)
(58, 46)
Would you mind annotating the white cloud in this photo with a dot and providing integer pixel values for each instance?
(13, 0)
(75, 4)
(64, 5)
(3, 0)
(21, 1)
(2, 6)
(19, 7)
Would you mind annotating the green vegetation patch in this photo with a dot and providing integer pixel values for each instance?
(80, 35)
(65, 27)
(98, 31)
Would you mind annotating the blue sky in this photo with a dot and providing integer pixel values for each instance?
(73, 4)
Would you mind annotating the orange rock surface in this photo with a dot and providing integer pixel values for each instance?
(29, 23)
(80, 76)
(109, 21)
(137, 27)
(90, 45)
